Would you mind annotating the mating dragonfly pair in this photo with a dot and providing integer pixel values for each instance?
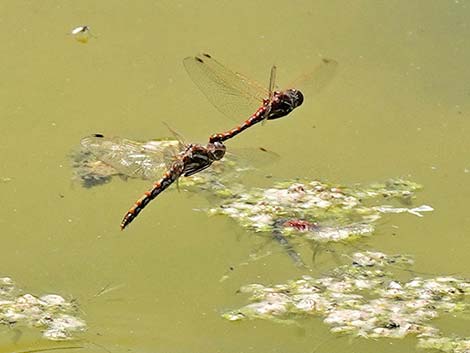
(232, 94)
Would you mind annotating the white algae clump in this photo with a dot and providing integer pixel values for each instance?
(364, 298)
(446, 344)
(56, 317)
(316, 210)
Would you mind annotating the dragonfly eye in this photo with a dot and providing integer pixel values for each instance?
(217, 150)
(218, 154)
(297, 97)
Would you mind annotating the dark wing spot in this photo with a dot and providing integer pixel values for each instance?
(207, 55)
(199, 59)
(98, 135)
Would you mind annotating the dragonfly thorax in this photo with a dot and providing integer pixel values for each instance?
(284, 102)
(197, 157)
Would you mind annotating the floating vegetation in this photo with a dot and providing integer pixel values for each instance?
(56, 317)
(90, 171)
(446, 344)
(317, 210)
(365, 298)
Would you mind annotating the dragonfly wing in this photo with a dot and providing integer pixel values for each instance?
(315, 81)
(131, 158)
(177, 135)
(231, 93)
(272, 81)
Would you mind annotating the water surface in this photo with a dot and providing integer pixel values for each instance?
(398, 106)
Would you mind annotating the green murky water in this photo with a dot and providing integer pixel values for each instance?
(398, 106)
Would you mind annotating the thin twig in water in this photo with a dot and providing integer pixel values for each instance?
(108, 288)
(48, 349)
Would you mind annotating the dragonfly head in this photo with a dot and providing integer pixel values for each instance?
(284, 102)
(297, 97)
(216, 149)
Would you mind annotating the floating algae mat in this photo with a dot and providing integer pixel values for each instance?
(317, 210)
(452, 344)
(56, 317)
(365, 298)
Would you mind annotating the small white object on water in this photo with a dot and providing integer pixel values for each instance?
(81, 33)
(80, 29)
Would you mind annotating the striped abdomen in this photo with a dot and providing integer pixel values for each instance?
(168, 178)
(258, 116)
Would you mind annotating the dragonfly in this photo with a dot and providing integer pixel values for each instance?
(232, 93)
(134, 159)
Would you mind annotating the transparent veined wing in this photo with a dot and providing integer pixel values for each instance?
(146, 160)
(314, 81)
(231, 93)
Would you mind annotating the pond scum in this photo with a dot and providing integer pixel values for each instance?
(56, 317)
(368, 297)
(364, 298)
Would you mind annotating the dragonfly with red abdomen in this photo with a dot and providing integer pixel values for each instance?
(132, 158)
(233, 94)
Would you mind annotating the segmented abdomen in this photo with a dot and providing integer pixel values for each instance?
(169, 178)
(252, 120)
